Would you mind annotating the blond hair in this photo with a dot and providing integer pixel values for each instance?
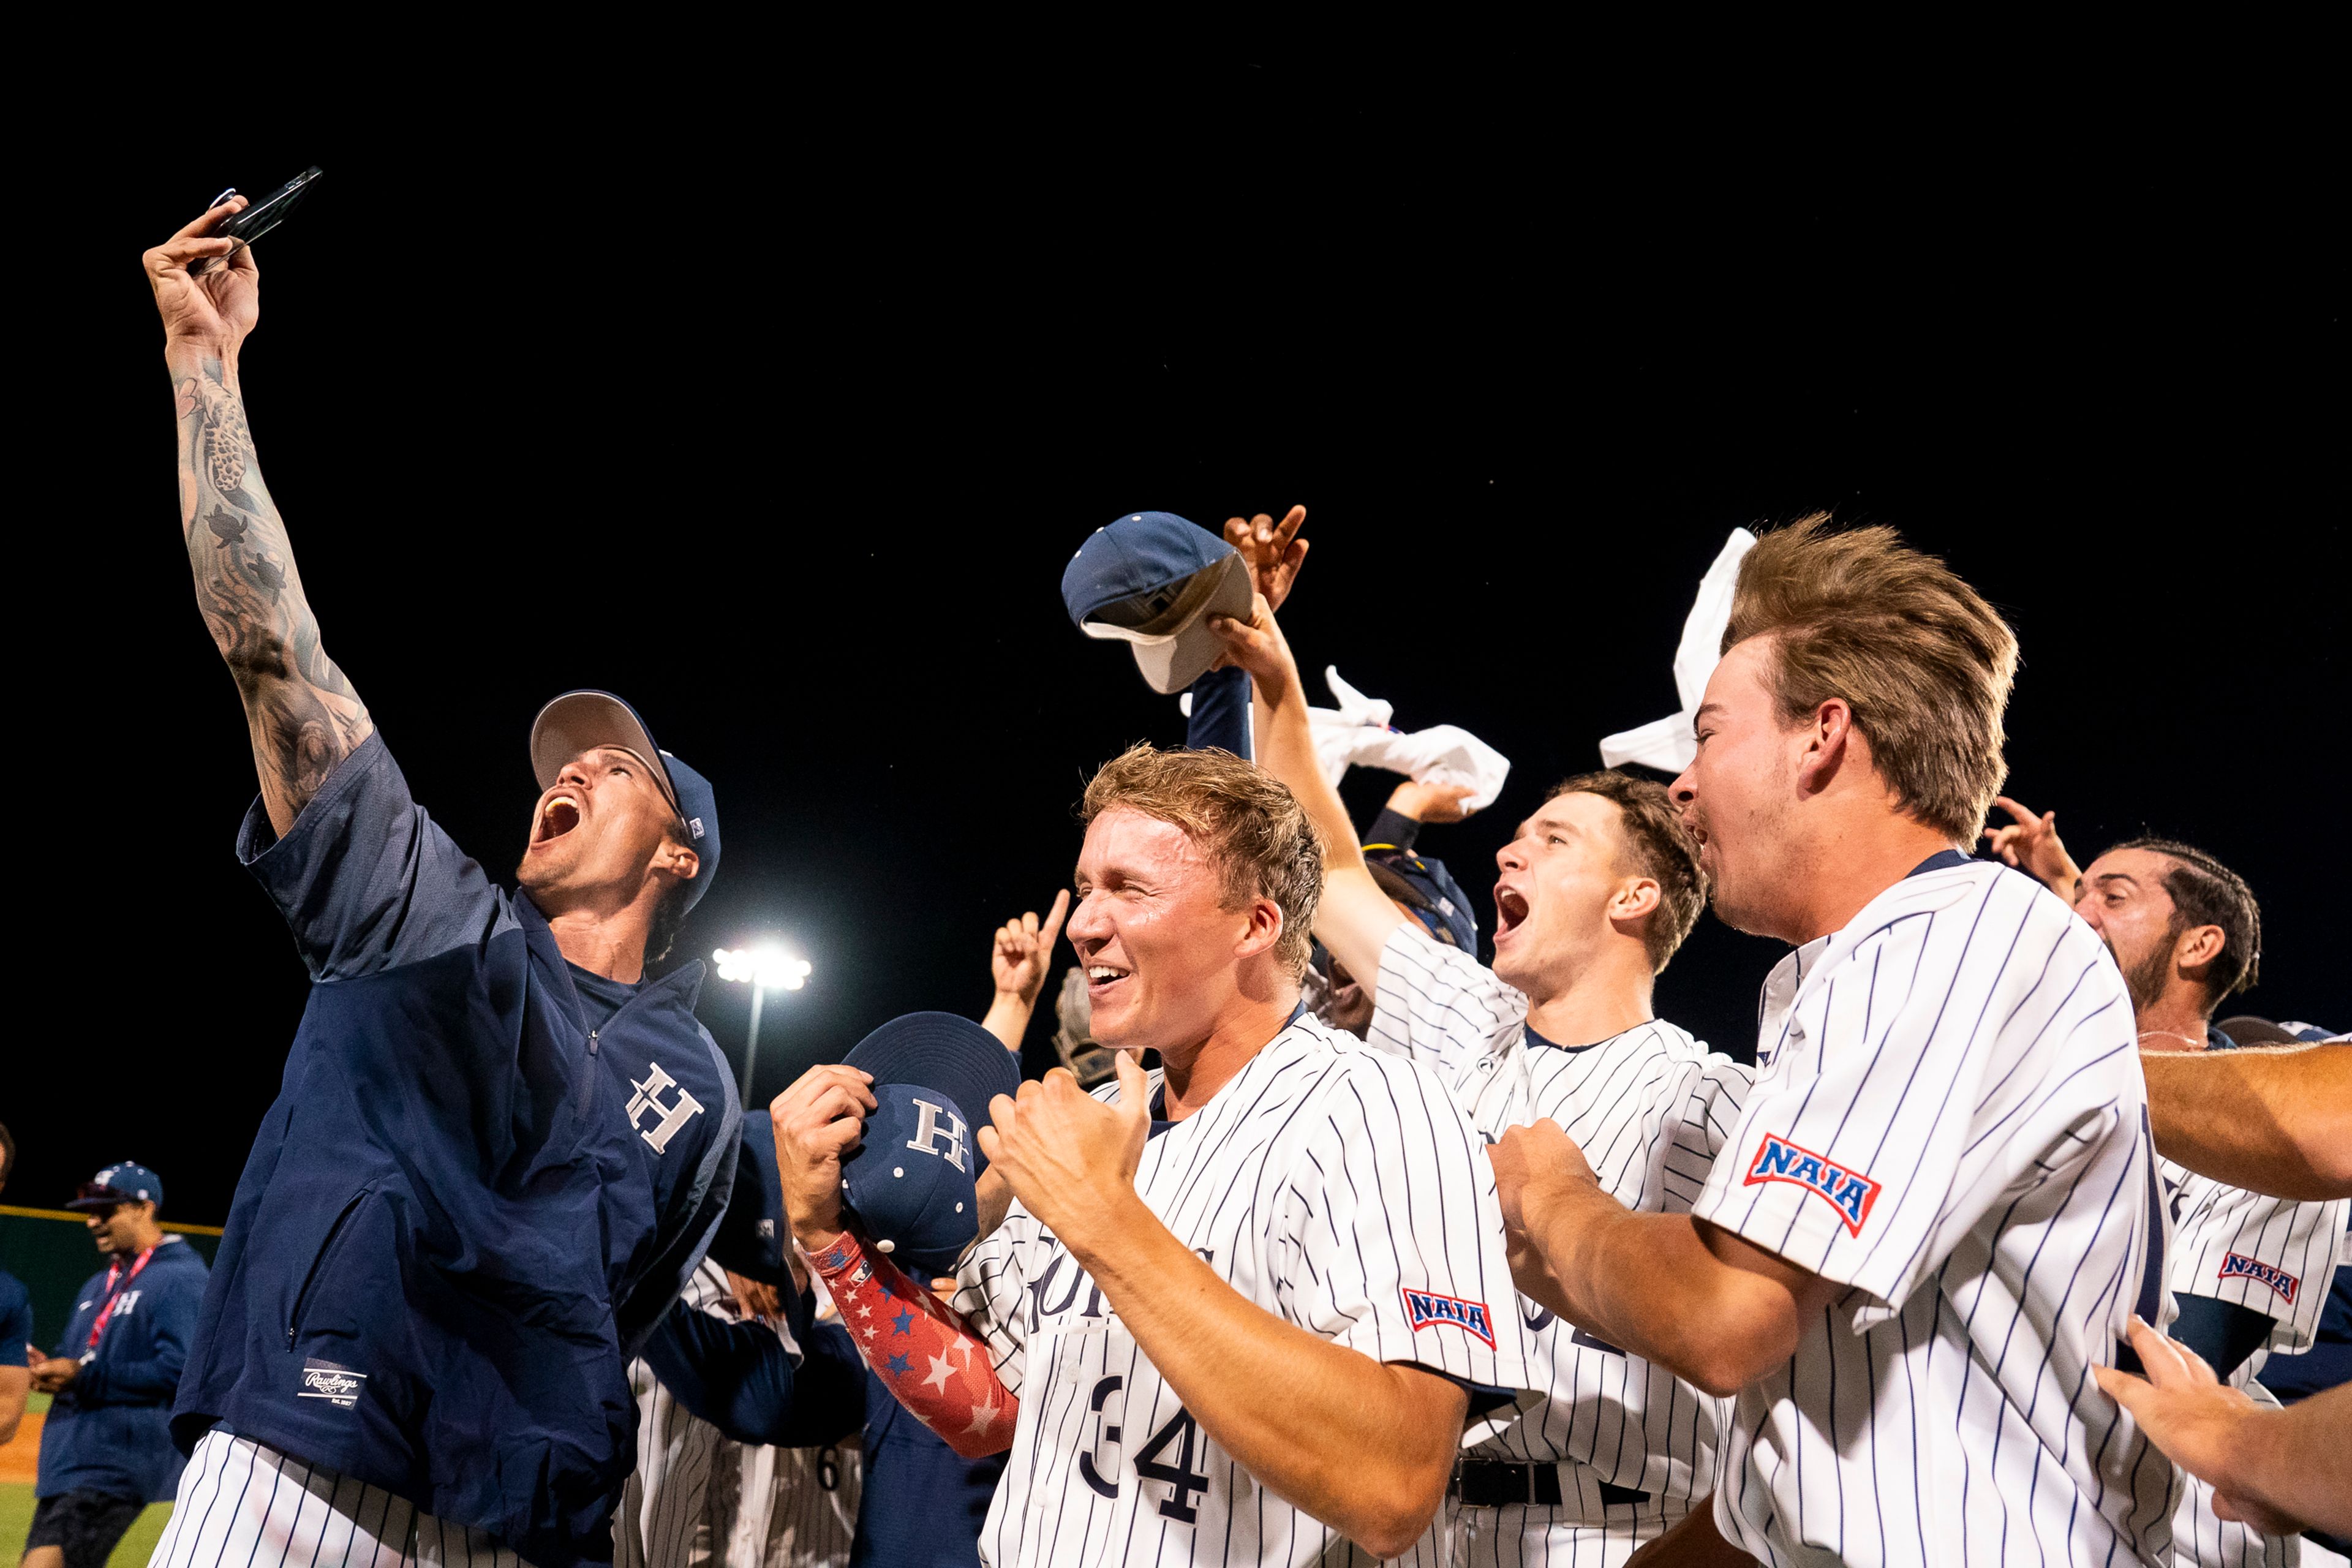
(1659, 846)
(1923, 661)
(1248, 826)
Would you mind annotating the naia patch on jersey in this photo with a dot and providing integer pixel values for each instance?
(2238, 1266)
(1426, 1309)
(1851, 1193)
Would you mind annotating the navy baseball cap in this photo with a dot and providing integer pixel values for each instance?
(1429, 890)
(912, 1179)
(579, 720)
(1153, 580)
(122, 1183)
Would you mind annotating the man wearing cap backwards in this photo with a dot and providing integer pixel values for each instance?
(106, 1448)
(498, 1150)
(1243, 1309)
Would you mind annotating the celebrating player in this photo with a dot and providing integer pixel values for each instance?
(1243, 1309)
(1939, 1208)
(406, 1351)
(1594, 893)
(2251, 1272)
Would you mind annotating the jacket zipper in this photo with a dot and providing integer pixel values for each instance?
(302, 1297)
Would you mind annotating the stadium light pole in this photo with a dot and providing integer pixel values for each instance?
(764, 969)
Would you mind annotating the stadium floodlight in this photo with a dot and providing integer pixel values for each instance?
(770, 967)
(764, 969)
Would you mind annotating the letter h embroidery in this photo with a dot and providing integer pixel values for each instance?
(938, 1122)
(648, 1097)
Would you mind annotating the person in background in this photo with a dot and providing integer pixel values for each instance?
(16, 1347)
(2251, 1272)
(106, 1449)
(1018, 962)
(2276, 1122)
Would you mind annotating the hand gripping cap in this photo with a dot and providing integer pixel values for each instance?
(911, 1180)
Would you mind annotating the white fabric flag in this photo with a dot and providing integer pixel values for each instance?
(1357, 733)
(1667, 743)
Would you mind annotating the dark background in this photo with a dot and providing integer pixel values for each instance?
(784, 421)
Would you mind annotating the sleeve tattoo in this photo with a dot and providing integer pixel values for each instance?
(302, 714)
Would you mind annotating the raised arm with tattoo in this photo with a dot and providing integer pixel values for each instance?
(301, 713)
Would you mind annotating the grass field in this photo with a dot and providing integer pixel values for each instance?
(17, 1517)
(17, 1502)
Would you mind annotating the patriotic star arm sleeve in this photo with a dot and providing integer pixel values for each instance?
(934, 1365)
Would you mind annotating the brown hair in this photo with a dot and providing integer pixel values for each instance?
(1248, 826)
(1659, 846)
(2205, 893)
(1923, 661)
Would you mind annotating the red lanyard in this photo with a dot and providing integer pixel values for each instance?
(114, 1272)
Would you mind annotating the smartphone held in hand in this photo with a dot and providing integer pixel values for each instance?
(259, 218)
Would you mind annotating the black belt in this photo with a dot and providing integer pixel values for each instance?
(1496, 1483)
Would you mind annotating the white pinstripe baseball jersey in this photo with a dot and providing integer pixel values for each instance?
(1650, 1108)
(241, 1505)
(1337, 1187)
(2271, 1256)
(1949, 1118)
(663, 1505)
(782, 1508)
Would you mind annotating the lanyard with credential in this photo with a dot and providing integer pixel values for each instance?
(114, 1292)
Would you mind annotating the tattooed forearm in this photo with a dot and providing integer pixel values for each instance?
(303, 716)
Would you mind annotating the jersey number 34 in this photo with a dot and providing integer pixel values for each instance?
(1153, 1461)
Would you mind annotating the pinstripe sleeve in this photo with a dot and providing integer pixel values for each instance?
(1390, 1235)
(991, 1291)
(2268, 1255)
(1699, 1124)
(1965, 1056)
(1439, 1006)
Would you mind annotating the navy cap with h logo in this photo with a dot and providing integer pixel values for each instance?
(912, 1180)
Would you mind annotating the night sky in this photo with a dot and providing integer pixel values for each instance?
(782, 425)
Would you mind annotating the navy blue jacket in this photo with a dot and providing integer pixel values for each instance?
(110, 1431)
(464, 1210)
(922, 1505)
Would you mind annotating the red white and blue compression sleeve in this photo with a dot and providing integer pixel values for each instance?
(936, 1367)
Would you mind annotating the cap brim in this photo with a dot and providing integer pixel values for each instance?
(1172, 660)
(942, 1051)
(579, 722)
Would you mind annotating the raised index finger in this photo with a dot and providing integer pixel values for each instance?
(1287, 528)
(1053, 926)
(2025, 818)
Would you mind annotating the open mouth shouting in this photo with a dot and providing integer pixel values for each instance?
(559, 814)
(1510, 911)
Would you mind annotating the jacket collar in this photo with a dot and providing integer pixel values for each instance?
(684, 982)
